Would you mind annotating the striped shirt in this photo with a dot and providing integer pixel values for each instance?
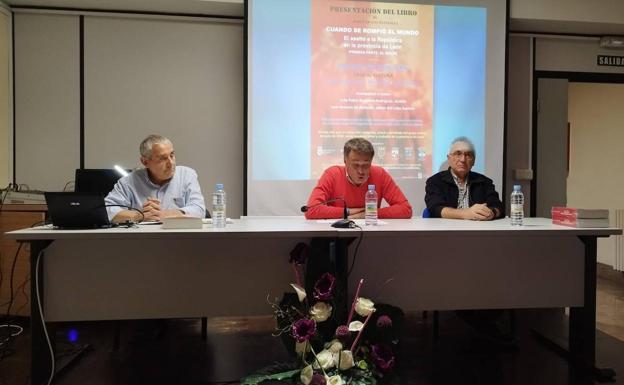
(463, 201)
(182, 192)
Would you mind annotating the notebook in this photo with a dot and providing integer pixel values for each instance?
(76, 210)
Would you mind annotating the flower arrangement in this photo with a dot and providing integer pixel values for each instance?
(328, 349)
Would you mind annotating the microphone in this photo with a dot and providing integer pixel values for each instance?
(343, 223)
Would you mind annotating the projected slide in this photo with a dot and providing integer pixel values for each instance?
(408, 77)
(372, 71)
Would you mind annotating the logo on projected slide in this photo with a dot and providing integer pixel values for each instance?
(422, 152)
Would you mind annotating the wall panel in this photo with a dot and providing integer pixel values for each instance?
(179, 78)
(6, 99)
(47, 100)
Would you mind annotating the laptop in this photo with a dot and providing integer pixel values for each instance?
(76, 210)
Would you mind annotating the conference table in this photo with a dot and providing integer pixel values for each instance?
(418, 264)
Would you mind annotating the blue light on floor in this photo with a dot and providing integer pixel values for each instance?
(72, 335)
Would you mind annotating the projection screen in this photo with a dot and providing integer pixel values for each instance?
(410, 77)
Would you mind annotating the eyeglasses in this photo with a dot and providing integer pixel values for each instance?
(458, 154)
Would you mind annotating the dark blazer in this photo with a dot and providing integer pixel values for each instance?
(441, 191)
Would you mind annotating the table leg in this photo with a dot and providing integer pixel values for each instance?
(581, 350)
(582, 331)
(40, 357)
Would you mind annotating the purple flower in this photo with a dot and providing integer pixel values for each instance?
(343, 333)
(383, 357)
(304, 329)
(318, 379)
(299, 255)
(384, 322)
(324, 287)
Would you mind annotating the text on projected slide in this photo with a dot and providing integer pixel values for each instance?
(372, 71)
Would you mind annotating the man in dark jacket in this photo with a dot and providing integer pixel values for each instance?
(459, 193)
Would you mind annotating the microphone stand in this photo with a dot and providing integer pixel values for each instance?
(344, 223)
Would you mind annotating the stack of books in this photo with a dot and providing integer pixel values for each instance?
(571, 217)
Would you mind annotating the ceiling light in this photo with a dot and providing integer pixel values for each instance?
(612, 42)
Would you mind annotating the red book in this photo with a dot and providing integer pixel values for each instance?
(579, 213)
(571, 221)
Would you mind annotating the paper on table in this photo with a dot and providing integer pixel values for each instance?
(150, 223)
(359, 222)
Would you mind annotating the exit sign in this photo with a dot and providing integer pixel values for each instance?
(610, 61)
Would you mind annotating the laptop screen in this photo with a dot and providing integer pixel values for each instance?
(96, 180)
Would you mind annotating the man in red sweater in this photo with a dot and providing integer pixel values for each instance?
(351, 181)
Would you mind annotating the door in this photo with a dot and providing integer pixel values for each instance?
(551, 154)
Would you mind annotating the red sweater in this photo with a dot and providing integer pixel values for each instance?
(334, 184)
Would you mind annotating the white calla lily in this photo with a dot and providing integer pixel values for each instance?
(334, 346)
(302, 347)
(333, 380)
(345, 360)
(301, 294)
(364, 306)
(320, 311)
(306, 375)
(356, 326)
(324, 359)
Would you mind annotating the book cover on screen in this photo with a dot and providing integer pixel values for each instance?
(372, 67)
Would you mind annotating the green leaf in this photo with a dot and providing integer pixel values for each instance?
(255, 379)
(363, 381)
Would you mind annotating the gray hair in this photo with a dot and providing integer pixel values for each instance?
(148, 143)
(463, 139)
(360, 145)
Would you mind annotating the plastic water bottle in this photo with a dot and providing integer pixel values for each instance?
(370, 206)
(218, 206)
(517, 206)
